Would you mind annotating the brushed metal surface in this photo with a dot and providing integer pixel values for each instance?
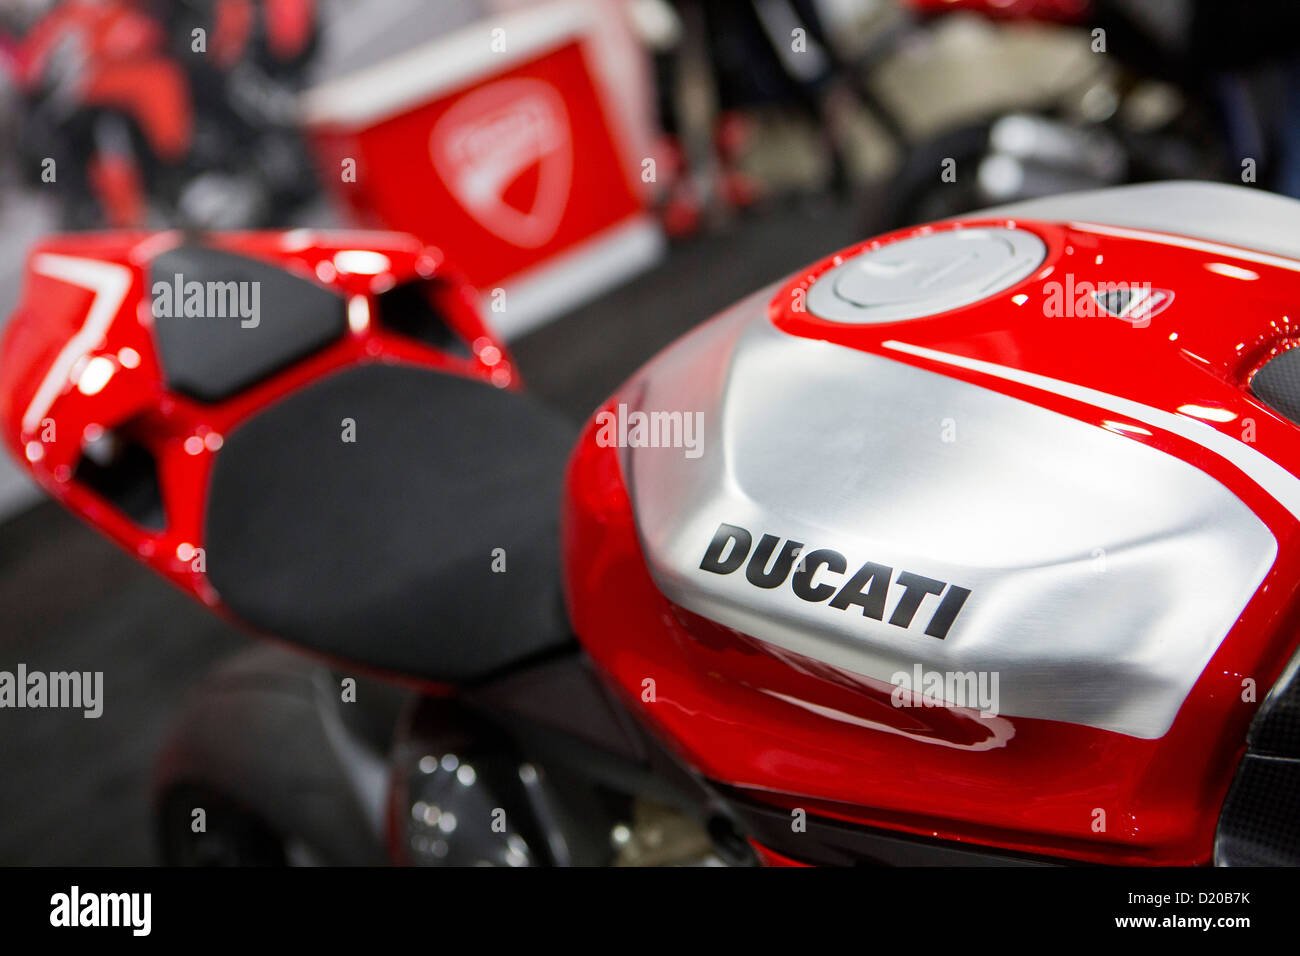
(1104, 573)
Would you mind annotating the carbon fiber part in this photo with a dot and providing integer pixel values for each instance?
(1277, 384)
(1260, 822)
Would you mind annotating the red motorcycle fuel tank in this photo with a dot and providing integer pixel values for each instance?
(982, 532)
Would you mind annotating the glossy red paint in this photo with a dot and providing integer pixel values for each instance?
(429, 166)
(52, 338)
(791, 731)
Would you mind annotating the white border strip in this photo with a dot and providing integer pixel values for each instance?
(1268, 474)
(110, 283)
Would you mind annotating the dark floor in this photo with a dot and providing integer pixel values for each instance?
(75, 791)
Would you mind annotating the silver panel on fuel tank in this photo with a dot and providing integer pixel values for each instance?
(1103, 573)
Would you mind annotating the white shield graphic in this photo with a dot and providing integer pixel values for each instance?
(1137, 305)
(489, 140)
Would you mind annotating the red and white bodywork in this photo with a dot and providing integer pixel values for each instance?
(975, 542)
(82, 361)
(1011, 465)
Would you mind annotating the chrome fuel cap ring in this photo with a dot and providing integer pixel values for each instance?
(925, 275)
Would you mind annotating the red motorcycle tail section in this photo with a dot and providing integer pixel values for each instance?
(123, 420)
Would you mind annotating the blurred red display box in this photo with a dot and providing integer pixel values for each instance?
(495, 144)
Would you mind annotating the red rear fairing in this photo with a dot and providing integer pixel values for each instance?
(87, 299)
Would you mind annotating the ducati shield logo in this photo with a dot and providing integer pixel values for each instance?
(821, 575)
(1135, 304)
(506, 154)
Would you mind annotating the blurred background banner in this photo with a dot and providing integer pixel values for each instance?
(513, 143)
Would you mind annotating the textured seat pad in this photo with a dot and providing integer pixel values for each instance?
(215, 355)
(381, 550)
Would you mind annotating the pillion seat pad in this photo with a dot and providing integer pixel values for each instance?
(388, 549)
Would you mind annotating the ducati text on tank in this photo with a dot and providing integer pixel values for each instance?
(868, 588)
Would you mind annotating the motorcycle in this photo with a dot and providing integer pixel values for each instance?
(973, 543)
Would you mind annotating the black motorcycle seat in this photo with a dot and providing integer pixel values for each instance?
(219, 353)
(427, 545)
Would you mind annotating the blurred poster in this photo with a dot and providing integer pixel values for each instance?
(510, 134)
